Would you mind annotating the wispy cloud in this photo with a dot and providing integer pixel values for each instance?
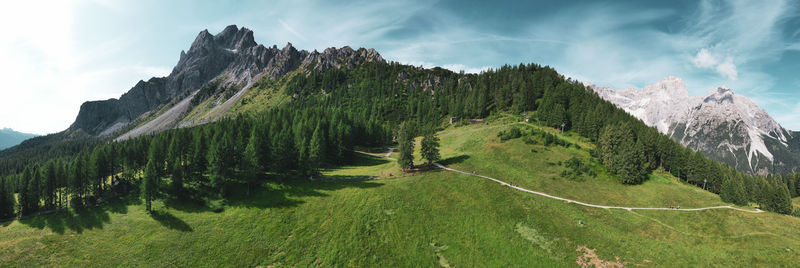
(291, 30)
(707, 43)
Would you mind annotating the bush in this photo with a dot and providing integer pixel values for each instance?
(796, 212)
(512, 133)
(530, 141)
(576, 168)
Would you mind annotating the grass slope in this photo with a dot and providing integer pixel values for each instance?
(431, 219)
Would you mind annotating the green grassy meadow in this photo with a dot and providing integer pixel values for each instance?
(361, 216)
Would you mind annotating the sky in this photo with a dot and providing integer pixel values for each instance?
(54, 55)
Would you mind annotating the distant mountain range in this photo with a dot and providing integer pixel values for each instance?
(9, 137)
(725, 126)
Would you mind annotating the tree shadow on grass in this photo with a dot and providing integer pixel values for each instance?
(170, 221)
(79, 219)
(76, 220)
(454, 160)
(359, 160)
(288, 194)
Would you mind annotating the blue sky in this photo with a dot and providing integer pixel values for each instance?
(56, 55)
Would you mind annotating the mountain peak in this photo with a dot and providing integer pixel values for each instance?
(724, 125)
(672, 86)
(203, 40)
(720, 95)
(288, 47)
(234, 38)
(232, 56)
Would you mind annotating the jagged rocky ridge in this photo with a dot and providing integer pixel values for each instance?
(232, 56)
(725, 126)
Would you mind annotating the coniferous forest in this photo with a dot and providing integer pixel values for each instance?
(332, 112)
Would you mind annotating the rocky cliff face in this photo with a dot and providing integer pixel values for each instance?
(725, 126)
(232, 55)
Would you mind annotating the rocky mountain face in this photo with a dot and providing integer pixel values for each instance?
(231, 56)
(9, 137)
(725, 126)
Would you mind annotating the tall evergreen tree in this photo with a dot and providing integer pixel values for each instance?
(252, 164)
(49, 182)
(733, 191)
(98, 169)
(7, 200)
(200, 151)
(430, 147)
(175, 166)
(150, 184)
(405, 145)
(630, 163)
(221, 161)
(316, 153)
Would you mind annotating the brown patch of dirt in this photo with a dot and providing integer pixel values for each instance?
(590, 259)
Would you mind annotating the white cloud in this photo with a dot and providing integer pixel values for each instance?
(728, 69)
(704, 59)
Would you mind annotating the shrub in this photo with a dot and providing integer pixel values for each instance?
(512, 133)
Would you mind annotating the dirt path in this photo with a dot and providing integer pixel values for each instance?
(570, 200)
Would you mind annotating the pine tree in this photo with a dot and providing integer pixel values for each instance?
(630, 164)
(49, 191)
(283, 154)
(405, 140)
(782, 199)
(175, 166)
(150, 183)
(733, 191)
(220, 161)
(430, 147)
(252, 164)
(199, 159)
(7, 201)
(34, 190)
(316, 151)
(98, 169)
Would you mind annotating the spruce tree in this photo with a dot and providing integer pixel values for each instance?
(150, 183)
(430, 147)
(49, 176)
(220, 161)
(252, 164)
(33, 190)
(316, 151)
(405, 140)
(630, 163)
(733, 191)
(98, 169)
(175, 166)
(200, 151)
(783, 201)
(7, 201)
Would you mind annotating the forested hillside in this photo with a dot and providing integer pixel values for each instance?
(332, 111)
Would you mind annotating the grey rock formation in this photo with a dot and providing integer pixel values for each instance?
(725, 126)
(232, 54)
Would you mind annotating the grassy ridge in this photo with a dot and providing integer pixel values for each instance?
(431, 219)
